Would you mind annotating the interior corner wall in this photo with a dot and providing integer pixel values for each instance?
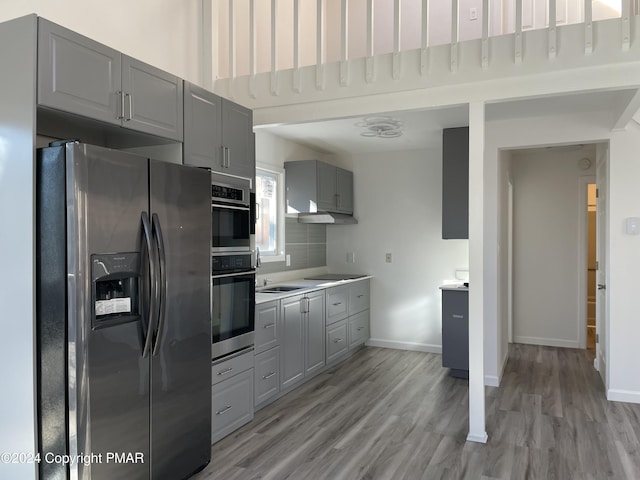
(398, 204)
(501, 332)
(549, 223)
(624, 265)
(164, 33)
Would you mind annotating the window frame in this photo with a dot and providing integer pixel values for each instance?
(279, 256)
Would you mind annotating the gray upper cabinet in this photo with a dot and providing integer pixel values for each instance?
(315, 186)
(202, 128)
(218, 133)
(77, 74)
(152, 99)
(237, 139)
(455, 183)
(80, 76)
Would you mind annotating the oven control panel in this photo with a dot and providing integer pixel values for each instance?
(231, 263)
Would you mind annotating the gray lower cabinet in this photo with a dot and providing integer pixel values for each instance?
(455, 332)
(267, 375)
(232, 396)
(83, 77)
(267, 326)
(455, 183)
(337, 303)
(358, 329)
(337, 343)
(358, 296)
(292, 341)
(218, 133)
(314, 333)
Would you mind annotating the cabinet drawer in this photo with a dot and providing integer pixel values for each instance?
(358, 297)
(267, 326)
(232, 404)
(228, 368)
(337, 302)
(358, 329)
(267, 375)
(337, 344)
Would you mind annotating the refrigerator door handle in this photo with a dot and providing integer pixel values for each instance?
(153, 305)
(162, 294)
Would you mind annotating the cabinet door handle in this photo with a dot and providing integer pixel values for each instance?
(121, 113)
(337, 340)
(268, 375)
(224, 372)
(457, 316)
(360, 296)
(360, 328)
(222, 155)
(269, 325)
(128, 97)
(224, 410)
(336, 304)
(228, 157)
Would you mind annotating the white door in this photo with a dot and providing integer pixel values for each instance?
(601, 258)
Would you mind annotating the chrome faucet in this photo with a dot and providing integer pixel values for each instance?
(258, 260)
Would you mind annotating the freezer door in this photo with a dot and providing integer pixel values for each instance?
(107, 192)
(181, 359)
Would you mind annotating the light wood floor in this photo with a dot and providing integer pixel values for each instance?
(390, 414)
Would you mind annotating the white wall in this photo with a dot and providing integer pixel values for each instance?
(274, 150)
(501, 333)
(549, 224)
(163, 33)
(398, 204)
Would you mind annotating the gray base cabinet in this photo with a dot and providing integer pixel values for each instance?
(218, 133)
(81, 76)
(314, 333)
(292, 342)
(267, 375)
(337, 343)
(358, 329)
(455, 332)
(315, 186)
(232, 396)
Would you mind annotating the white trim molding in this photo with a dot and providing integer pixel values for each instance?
(628, 396)
(547, 342)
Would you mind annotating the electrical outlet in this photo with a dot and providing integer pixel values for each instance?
(473, 13)
(388, 258)
(287, 260)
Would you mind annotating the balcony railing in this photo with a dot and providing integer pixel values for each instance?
(254, 37)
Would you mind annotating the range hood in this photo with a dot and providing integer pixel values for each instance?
(327, 217)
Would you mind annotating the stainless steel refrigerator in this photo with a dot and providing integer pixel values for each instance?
(124, 318)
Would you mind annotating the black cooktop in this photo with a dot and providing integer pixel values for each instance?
(336, 276)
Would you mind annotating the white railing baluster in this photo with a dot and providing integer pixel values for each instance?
(370, 65)
(320, 44)
(274, 49)
(454, 35)
(252, 48)
(552, 31)
(232, 43)
(396, 39)
(424, 41)
(588, 28)
(518, 34)
(626, 30)
(344, 44)
(296, 46)
(485, 33)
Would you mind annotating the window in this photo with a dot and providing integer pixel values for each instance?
(269, 222)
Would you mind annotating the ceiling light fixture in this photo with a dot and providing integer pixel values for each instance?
(381, 127)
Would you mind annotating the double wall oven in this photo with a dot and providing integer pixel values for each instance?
(233, 272)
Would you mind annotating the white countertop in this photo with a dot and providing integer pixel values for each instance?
(454, 286)
(307, 286)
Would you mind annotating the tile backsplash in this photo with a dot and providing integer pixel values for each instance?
(306, 243)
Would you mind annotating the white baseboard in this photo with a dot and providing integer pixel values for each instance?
(479, 438)
(417, 347)
(493, 380)
(628, 396)
(547, 342)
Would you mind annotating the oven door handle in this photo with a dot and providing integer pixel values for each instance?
(240, 274)
(230, 207)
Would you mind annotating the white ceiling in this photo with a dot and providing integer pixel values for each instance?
(423, 128)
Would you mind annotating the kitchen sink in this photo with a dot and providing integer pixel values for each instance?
(280, 289)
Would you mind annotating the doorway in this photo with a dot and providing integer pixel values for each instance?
(591, 265)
